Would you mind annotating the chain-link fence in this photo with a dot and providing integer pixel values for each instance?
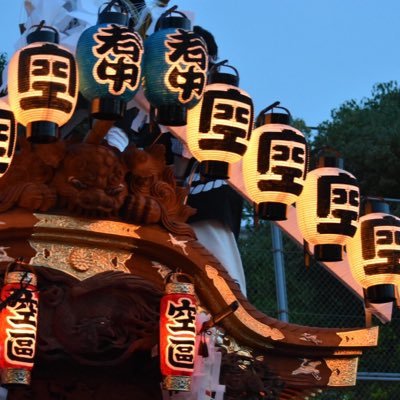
(316, 298)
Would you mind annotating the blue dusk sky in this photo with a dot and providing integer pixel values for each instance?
(311, 55)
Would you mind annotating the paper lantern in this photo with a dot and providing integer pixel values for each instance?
(219, 126)
(8, 136)
(42, 85)
(175, 67)
(374, 253)
(18, 326)
(275, 165)
(177, 334)
(328, 209)
(109, 57)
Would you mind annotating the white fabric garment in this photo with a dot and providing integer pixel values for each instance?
(220, 241)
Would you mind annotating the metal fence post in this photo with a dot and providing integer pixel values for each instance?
(280, 278)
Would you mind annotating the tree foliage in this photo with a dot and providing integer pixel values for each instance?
(3, 62)
(367, 135)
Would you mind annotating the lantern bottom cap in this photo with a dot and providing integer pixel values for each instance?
(177, 383)
(328, 252)
(15, 376)
(382, 293)
(107, 108)
(272, 211)
(171, 115)
(214, 169)
(42, 132)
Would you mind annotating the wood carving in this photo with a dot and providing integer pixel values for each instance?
(100, 321)
(90, 181)
(95, 180)
(246, 377)
(153, 194)
(27, 184)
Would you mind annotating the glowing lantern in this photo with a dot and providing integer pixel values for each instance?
(374, 253)
(177, 334)
(8, 136)
(18, 325)
(43, 85)
(328, 209)
(219, 126)
(109, 57)
(275, 164)
(175, 67)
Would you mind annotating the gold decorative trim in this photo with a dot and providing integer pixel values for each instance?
(249, 321)
(80, 262)
(84, 224)
(15, 376)
(359, 338)
(230, 345)
(343, 371)
(178, 383)
(347, 352)
(179, 287)
(21, 277)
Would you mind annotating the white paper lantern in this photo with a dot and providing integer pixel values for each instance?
(374, 254)
(328, 211)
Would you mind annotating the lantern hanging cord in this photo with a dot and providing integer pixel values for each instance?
(40, 25)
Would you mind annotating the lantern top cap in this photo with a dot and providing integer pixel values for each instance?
(43, 33)
(108, 15)
(375, 205)
(328, 157)
(167, 20)
(268, 116)
(216, 76)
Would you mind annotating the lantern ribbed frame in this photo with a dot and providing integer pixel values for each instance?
(307, 206)
(195, 120)
(361, 243)
(19, 74)
(250, 164)
(8, 138)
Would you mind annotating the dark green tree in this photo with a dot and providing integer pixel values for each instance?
(3, 62)
(367, 135)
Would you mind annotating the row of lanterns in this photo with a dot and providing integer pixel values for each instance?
(43, 89)
(172, 64)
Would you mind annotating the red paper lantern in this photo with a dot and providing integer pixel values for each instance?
(18, 325)
(177, 334)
